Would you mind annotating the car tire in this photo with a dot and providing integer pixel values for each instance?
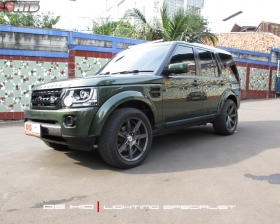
(126, 138)
(226, 122)
(57, 147)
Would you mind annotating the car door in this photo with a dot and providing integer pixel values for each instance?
(182, 97)
(212, 83)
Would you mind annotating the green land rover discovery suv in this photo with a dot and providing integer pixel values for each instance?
(143, 91)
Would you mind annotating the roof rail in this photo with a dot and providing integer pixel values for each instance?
(156, 41)
(148, 42)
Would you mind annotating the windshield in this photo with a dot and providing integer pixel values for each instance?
(146, 59)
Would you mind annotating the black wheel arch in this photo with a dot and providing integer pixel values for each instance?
(227, 95)
(143, 107)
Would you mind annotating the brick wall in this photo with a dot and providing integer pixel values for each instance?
(257, 81)
(35, 56)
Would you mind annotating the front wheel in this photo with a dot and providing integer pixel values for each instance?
(126, 138)
(226, 122)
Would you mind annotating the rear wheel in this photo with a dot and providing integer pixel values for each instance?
(226, 122)
(126, 138)
(57, 147)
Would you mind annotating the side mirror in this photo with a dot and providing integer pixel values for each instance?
(177, 68)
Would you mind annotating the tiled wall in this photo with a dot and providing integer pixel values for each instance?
(259, 79)
(42, 55)
(274, 74)
(18, 75)
(242, 75)
(87, 66)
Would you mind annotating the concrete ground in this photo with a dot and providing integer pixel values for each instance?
(190, 176)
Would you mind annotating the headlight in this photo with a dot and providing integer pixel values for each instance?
(83, 97)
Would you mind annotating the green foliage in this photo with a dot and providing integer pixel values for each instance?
(125, 29)
(44, 20)
(177, 27)
(144, 29)
(121, 28)
(104, 27)
(183, 26)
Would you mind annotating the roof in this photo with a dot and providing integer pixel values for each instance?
(268, 27)
(243, 28)
(161, 42)
(262, 27)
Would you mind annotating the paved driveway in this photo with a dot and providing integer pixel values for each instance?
(190, 176)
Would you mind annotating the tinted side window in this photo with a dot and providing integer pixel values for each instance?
(184, 54)
(209, 66)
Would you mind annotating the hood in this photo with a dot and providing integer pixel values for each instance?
(125, 79)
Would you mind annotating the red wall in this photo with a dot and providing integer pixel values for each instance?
(256, 94)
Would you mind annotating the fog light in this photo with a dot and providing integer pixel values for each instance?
(70, 121)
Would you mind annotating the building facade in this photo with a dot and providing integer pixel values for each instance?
(194, 6)
(115, 10)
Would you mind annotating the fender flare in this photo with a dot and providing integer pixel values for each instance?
(228, 93)
(111, 104)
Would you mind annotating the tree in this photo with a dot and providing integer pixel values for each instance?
(144, 29)
(43, 20)
(121, 28)
(103, 27)
(183, 25)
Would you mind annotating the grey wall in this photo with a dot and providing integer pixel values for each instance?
(37, 42)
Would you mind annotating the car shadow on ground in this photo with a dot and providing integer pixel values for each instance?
(196, 148)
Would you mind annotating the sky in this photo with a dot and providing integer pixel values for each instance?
(76, 14)
(254, 11)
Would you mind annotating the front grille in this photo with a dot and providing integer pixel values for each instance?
(47, 99)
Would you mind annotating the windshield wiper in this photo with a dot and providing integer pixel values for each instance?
(105, 73)
(132, 71)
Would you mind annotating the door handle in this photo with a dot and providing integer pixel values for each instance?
(195, 83)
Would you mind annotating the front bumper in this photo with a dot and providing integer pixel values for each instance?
(52, 133)
(51, 127)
